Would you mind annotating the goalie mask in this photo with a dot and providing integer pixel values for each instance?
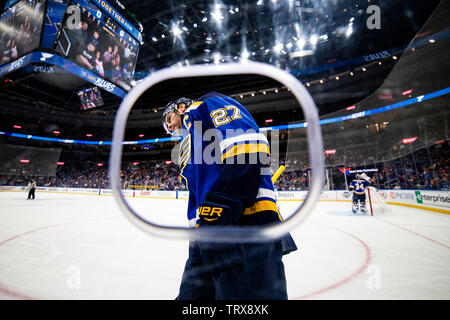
(363, 176)
(174, 106)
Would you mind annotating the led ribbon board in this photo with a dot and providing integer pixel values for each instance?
(281, 127)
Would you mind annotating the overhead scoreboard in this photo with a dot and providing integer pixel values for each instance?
(88, 38)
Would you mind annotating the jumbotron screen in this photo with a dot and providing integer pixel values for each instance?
(20, 29)
(90, 98)
(92, 39)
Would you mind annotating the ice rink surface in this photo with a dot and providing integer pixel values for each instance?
(63, 246)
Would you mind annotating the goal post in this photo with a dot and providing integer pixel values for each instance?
(376, 203)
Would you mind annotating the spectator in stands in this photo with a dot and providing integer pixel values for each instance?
(95, 39)
(77, 36)
(107, 57)
(117, 75)
(6, 54)
(431, 174)
(87, 57)
(14, 54)
(99, 64)
(115, 60)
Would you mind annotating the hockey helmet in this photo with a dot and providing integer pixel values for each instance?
(173, 106)
(363, 176)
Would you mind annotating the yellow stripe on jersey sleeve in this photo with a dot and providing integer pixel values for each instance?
(246, 148)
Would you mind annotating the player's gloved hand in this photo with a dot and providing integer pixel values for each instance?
(220, 209)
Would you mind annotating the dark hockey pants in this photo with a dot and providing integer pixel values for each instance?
(360, 197)
(31, 193)
(234, 272)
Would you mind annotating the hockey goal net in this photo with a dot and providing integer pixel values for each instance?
(376, 202)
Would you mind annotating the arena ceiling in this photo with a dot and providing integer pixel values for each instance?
(324, 43)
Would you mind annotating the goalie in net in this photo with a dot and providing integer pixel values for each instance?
(367, 198)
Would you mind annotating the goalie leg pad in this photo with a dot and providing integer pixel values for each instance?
(354, 206)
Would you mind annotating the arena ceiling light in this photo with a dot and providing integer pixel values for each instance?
(407, 92)
(409, 140)
(244, 54)
(216, 15)
(301, 53)
(176, 30)
(217, 56)
(349, 31)
(314, 39)
(301, 43)
(277, 48)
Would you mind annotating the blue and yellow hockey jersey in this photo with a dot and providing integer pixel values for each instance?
(226, 159)
(358, 186)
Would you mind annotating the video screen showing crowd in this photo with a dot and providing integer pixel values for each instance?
(90, 98)
(98, 44)
(358, 187)
(20, 29)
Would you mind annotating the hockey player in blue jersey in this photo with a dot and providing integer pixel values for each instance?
(358, 187)
(229, 183)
